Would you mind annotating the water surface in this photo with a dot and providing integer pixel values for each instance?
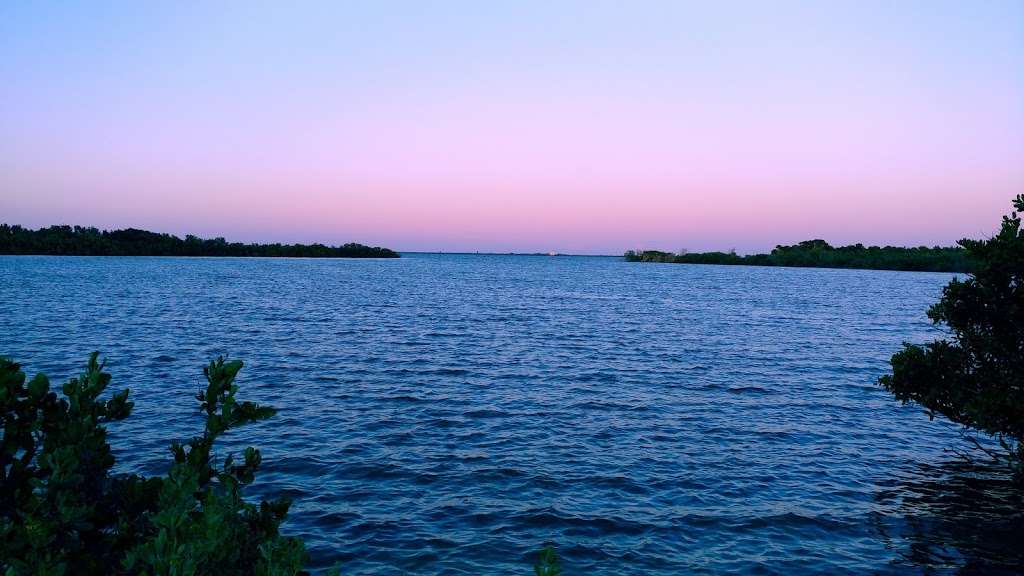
(449, 414)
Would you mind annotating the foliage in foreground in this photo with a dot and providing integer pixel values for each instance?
(548, 564)
(63, 513)
(976, 377)
(820, 254)
(88, 241)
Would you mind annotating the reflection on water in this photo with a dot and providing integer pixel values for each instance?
(955, 518)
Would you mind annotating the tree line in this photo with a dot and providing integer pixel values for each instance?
(89, 241)
(820, 254)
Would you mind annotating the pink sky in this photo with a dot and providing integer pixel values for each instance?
(587, 128)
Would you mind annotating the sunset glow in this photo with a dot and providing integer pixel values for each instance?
(586, 127)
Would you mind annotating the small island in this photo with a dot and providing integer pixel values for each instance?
(89, 241)
(820, 254)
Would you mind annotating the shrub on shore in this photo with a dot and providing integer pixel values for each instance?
(62, 512)
(976, 376)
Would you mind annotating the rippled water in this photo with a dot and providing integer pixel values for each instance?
(449, 414)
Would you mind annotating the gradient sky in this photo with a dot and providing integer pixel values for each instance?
(587, 127)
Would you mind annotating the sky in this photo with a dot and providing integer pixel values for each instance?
(577, 127)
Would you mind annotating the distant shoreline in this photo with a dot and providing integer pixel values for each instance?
(67, 240)
(544, 254)
(88, 241)
(819, 254)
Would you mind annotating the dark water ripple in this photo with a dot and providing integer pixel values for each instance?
(447, 414)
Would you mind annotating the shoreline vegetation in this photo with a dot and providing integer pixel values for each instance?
(820, 254)
(975, 376)
(89, 241)
(64, 511)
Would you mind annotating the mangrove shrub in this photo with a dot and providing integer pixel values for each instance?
(62, 512)
(975, 377)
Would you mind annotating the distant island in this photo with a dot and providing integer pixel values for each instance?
(819, 254)
(88, 241)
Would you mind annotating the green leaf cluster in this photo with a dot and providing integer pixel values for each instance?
(548, 563)
(62, 512)
(976, 376)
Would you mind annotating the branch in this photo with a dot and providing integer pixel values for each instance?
(995, 456)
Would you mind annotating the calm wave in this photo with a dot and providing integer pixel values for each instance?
(449, 414)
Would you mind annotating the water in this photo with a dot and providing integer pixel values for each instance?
(449, 414)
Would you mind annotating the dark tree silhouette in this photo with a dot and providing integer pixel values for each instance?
(820, 254)
(976, 376)
(87, 241)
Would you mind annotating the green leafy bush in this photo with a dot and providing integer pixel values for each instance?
(976, 377)
(548, 564)
(63, 513)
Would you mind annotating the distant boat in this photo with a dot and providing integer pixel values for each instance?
(552, 253)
